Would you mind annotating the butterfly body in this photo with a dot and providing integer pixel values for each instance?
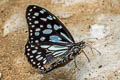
(49, 43)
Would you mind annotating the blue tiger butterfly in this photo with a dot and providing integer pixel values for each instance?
(49, 43)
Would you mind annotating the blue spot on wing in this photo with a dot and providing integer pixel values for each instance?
(56, 39)
(47, 31)
(37, 33)
(56, 27)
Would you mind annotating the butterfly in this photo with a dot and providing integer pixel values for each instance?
(50, 43)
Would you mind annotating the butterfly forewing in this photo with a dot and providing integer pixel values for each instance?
(48, 39)
(44, 26)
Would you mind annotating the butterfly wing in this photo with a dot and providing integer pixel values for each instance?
(43, 24)
(48, 39)
(45, 57)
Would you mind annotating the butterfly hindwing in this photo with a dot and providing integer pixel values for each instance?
(48, 39)
(44, 56)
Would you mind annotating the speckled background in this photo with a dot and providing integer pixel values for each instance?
(77, 15)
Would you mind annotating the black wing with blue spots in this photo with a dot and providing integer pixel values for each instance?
(43, 25)
(49, 40)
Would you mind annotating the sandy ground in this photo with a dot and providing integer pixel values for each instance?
(13, 62)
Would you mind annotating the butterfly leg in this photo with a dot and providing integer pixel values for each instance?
(86, 55)
(75, 62)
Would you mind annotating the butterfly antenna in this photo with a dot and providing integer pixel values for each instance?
(94, 49)
(87, 39)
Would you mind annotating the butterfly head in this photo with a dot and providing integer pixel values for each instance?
(82, 44)
(79, 46)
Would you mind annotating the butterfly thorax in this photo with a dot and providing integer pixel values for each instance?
(81, 44)
(75, 49)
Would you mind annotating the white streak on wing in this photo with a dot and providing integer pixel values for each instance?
(55, 47)
(44, 62)
(45, 46)
(42, 12)
(34, 51)
(38, 63)
(63, 52)
(58, 41)
(59, 52)
(66, 37)
(44, 19)
(30, 10)
(49, 17)
(40, 58)
(32, 46)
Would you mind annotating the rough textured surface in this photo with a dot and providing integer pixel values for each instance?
(14, 23)
(0, 75)
(77, 16)
(70, 2)
(98, 31)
